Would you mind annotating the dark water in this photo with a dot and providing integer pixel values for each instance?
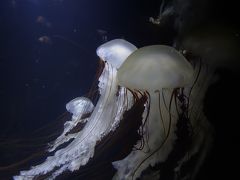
(38, 78)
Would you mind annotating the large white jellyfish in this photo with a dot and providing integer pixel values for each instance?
(172, 126)
(168, 78)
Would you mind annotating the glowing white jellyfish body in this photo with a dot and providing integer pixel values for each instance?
(155, 67)
(115, 52)
(79, 107)
(104, 118)
(158, 72)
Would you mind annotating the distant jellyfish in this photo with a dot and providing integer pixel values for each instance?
(43, 21)
(13, 3)
(103, 34)
(80, 108)
(165, 12)
(40, 19)
(45, 40)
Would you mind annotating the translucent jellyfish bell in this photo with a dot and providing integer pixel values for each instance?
(115, 51)
(80, 105)
(155, 67)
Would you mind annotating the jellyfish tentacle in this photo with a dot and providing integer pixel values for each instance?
(143, 130)
(163, 142)
(160, 112)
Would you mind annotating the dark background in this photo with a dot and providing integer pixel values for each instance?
(38, 79)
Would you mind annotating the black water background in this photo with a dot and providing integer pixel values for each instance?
(37, 80)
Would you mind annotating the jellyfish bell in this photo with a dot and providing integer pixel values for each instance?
(45, 40)
(115, 51)
(155, 67)
(79, 106)
(40, 19)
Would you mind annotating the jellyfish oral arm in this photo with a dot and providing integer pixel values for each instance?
(158, 139)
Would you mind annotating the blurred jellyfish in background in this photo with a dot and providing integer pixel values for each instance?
(103, 34)
(164, 12)
(43, 22)
(45, 40)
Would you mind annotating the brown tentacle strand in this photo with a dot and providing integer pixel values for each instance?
(161, 145)
(160, 112)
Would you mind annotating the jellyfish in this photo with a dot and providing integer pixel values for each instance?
(167, 78)
(79, 108)
(43, 21)
(103, 119)
(103, 34)
(45, 40)
(153, 85)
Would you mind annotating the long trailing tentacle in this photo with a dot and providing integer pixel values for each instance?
(195, 81)
(161, 145)
(160, 112)
(165, 103)
(144, 139)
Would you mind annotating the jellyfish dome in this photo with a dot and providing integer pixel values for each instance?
(115, 51)
(155, 67)
(78, 105)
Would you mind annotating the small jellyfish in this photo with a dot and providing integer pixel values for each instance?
(13, 3)
(45, 40)
(43, 21)
(80, 108)
(164, 13)
(40, 19)
(103, 34)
